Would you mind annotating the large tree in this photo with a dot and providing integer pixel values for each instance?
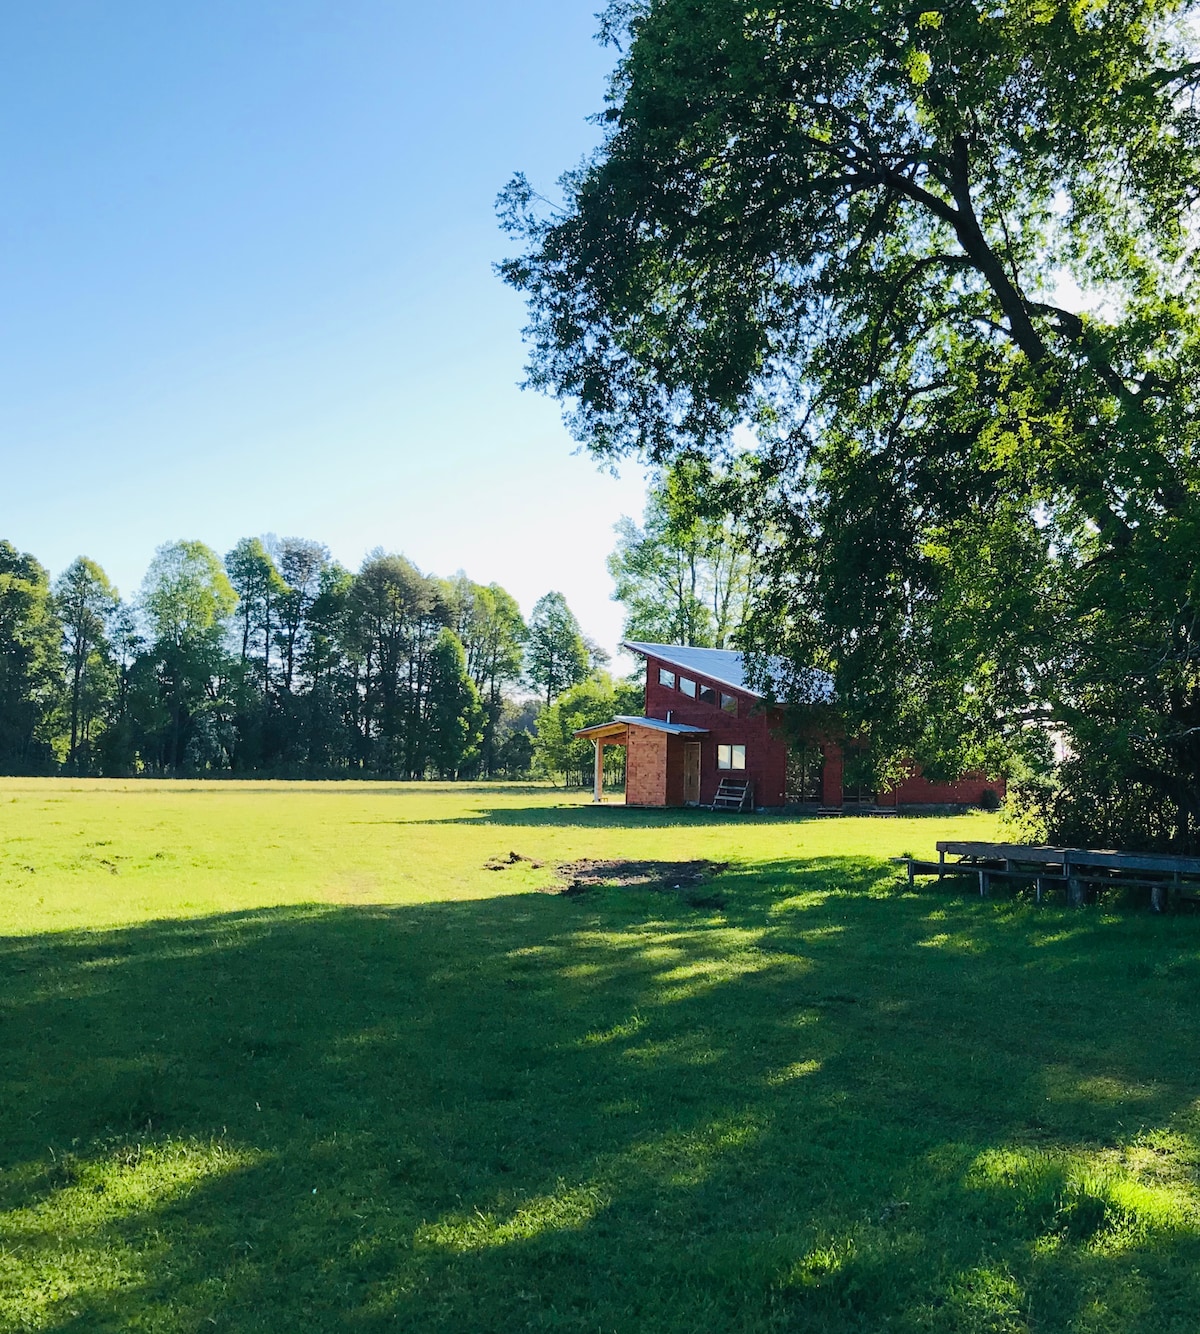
(85, 602)
(260, 589)
(556, 655)
(685, 575)
(453, 716)
(301, 565)
(489, 624)
(858, 228)
(30, 671)
(187, 601)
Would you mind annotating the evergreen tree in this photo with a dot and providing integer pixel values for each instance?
(556, 656)
(454, 715)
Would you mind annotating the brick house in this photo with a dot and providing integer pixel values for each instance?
(703, 722)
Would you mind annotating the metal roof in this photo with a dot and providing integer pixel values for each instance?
(657, 724)
(725, 666)
(654, 724)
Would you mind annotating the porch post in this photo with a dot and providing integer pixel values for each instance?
(598, 790)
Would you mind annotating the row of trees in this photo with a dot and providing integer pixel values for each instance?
(276, 660)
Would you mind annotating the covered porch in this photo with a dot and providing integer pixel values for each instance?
(662, 760)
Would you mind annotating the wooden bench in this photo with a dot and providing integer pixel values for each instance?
(1076, 869)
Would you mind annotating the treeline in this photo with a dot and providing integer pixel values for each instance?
(276, 660)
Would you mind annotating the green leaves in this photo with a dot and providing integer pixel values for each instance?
(858, 228)
(556, 656)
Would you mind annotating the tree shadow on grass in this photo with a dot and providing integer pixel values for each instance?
(830, 1106)
(585, 815)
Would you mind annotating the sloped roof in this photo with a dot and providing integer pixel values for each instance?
(654, 724)
(725, 666)
(657, 725)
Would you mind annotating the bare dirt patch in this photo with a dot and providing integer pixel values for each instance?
(513, 859)
(682, 877)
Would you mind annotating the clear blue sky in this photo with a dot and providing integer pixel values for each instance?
(245, 275)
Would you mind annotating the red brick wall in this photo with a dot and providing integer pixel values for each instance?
(831, 774)
(646, 768)
(766, 755)
(967, 791)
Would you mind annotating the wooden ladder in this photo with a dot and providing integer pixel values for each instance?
(734, 794)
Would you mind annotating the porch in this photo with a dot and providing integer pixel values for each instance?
(662, 760)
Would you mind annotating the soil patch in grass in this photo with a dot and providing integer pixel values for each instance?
(513, 859)
(580, 876)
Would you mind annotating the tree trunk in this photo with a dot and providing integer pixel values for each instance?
(76, 691)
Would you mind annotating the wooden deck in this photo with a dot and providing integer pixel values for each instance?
(1080, 872)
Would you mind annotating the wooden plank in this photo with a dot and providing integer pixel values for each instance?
(1135, 861)
(1018, 852)
(1004, 851)
(940, 868)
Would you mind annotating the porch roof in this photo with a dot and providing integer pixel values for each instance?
(622, 722)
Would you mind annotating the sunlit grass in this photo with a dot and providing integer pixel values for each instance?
(290, 1058)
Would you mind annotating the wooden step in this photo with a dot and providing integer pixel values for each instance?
(734, 794)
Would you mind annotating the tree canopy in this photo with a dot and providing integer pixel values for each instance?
(276, 661)
(942, 260)
(685, 575)
(557, 655)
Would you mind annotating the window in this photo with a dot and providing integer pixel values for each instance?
(666, 678)
(688, 687)
(729, 704)
(805, 770)
(708, 694)
(731, 757)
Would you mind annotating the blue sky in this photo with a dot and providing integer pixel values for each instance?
(245, 270)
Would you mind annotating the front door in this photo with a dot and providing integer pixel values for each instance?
(691, 773)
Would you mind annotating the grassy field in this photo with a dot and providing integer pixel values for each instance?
(287, 1058)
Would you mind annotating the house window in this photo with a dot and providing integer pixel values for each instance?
(731, 757)
(688, 687)
(666, 678)
(729, 704)
(708, 694)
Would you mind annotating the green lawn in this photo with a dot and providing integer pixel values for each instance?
(287, 1058)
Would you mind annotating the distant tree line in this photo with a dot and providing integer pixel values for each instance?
(276, 660)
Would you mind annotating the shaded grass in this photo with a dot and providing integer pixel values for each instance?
(831, 1105)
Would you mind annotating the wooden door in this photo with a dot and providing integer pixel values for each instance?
(691, 773)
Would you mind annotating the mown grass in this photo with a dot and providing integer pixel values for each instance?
(288, 1058)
